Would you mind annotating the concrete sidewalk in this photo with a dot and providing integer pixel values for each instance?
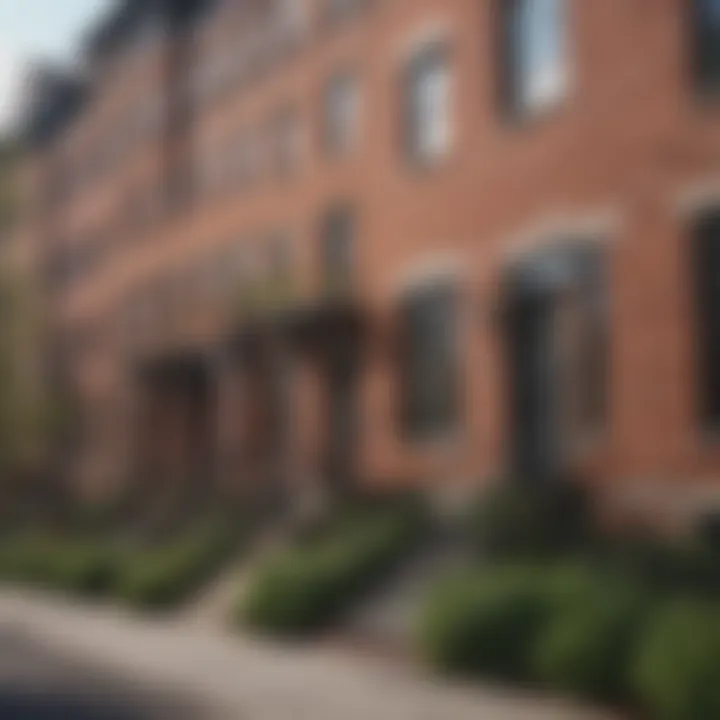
(250, 680)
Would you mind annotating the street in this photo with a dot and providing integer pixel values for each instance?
(59, 659)
(37, 684)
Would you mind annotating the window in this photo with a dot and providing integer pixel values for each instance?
(429, 379)
(535, 65)
(342, 103)
(706, 276)
(706, 27)
(292, 15)
(339, 10)
(280, 256)
(245, 158)
(285, 141)
(428, 105)
(338, 249)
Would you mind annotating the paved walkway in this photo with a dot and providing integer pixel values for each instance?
(249, 680)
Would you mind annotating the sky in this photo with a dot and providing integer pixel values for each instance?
(38, 28)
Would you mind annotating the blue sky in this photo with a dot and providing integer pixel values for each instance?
(38, 28)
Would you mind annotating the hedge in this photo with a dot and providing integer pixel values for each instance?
(676, 675)
(487, 622)
(168, 575)
(588, 643)
(154, 578)
(79, 566)
(308, 586)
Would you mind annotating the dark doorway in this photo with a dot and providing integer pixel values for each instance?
(176, 430)
(267, 402)
(534, 386)
(556, 344)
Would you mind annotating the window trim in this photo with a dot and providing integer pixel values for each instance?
(514, 106)
(331, 147)
(454, 427)
(425, 48)
(705, 89)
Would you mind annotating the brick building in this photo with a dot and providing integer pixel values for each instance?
(292, 245)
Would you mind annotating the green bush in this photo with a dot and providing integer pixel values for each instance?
(528, 522)
(167, 575)
(86, 569)
(677, 671)
(587, 647)
(486, 622)
(309, 585)
(79, 566)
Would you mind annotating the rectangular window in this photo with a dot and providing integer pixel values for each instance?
(285, 141)
(706, 274)
(339, 250)
(427, 98)
(342, 104)
(535, 65)
(337, 11)
(429, 377)
(706, 42)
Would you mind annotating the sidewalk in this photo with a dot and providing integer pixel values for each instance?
(249, 680)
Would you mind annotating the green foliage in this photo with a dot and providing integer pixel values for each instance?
(311, 584)
(486, 622)
(587, 647)
(167, 575)
(84, 567)
(514, 520)
(677, 672)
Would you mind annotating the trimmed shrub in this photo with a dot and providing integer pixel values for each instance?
(166, 576)
(308, 586)
(587, 648)
(486, 623)
(86, 569)
(531, 522)
(677, 672)
(76, 566)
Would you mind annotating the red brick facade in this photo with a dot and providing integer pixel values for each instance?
(626, 160)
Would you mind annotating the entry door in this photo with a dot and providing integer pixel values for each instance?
(556, 330)
(535, 388)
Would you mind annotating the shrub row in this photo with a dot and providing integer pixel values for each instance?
(169, 574)
(308, 586)
(74, 566)
(156, 577)
(574, 629)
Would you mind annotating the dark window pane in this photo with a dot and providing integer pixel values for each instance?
(339, 248)
(429, 372)
(706, 269)
(706, 23)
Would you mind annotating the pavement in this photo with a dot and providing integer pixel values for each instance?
(38, 683)
(99, 663)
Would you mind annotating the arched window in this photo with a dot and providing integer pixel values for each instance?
(342, 112)
(706, 44)
(428, 112)
(536, 59)
(706, 285)
(338, 249)
(430, 392)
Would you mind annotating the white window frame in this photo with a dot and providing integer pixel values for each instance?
(429, 102)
